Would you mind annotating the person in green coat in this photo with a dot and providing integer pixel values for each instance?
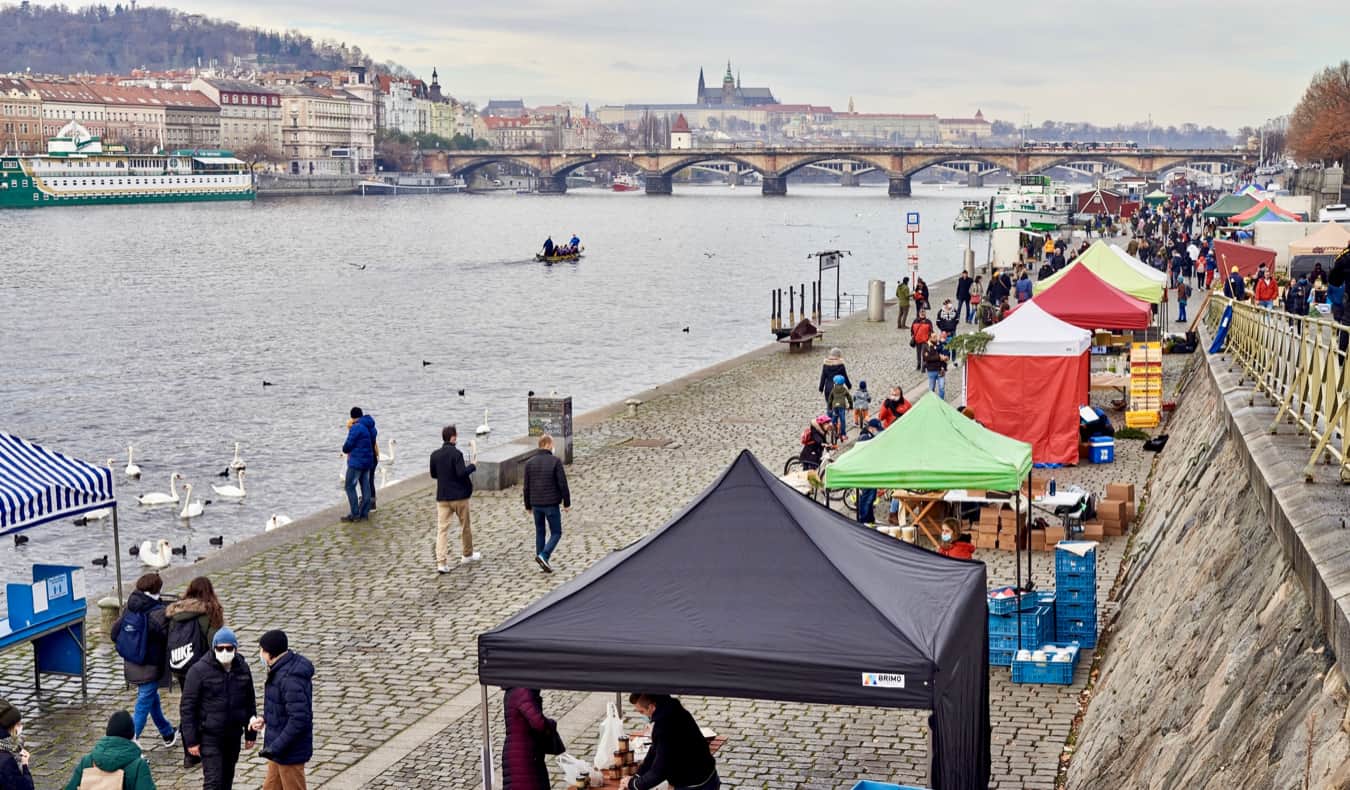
(902, 299)
(114, 752)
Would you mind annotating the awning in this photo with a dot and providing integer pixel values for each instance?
(1031, 332)
(1101, 261)
(38, 485)
(217, 160)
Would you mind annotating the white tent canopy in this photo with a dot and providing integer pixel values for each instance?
(1329, 239)
(1140, 266)
(1032, 332)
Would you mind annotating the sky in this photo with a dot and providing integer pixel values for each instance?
(1225, 63)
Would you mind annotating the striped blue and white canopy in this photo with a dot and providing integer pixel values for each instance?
(38, 485)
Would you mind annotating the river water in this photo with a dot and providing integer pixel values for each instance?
(156, 326)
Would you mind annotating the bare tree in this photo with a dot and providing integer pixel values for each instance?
(1319, 127)
(261, 151)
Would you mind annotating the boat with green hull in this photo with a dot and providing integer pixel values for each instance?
(78, 171)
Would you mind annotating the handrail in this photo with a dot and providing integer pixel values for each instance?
(1298, 363)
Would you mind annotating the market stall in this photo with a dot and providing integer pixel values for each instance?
(1228, 206)
(1265, 211)
(755, 591)
(1138, 265)
(1087, 301)
(1106, 264)
(1030, 380)
(1246, 257)
(1156, 198)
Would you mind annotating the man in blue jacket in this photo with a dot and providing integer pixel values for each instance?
(288, 713)
(360, 450)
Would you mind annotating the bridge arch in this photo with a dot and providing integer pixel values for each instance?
(683, 162)
(478, 162)
(956, 156)
(1111, 163)
(879, 163)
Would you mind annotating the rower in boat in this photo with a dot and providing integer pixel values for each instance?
(548, 247)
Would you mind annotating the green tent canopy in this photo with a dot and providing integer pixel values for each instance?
(1229, 206)
(1102, 261)
(933, 447)
(1156, 198)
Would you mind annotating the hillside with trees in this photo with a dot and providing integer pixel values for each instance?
(115, 39)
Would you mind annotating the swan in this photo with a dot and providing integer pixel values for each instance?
(155, 553)
(133, 471)
(158, 498)
(277, 520)
(237, 465)
(384, 477)
(483, 429)
(236, 492)
(190, 509)
(388, 458)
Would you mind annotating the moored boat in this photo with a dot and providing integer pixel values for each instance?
(1033, 203)
(626, 183)
(973, 215)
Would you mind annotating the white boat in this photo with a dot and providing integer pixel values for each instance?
(413, 184)
(974, 215)
(1336, 212)
(1033, 203)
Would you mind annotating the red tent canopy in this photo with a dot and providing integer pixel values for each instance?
(1245, 257)
(1087, 301)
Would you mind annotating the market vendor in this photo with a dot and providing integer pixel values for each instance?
(679, 753)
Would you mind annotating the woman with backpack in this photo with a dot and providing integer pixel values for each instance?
(193, 622)
(140, 636)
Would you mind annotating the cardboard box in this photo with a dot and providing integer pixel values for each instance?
(1053, 535)
(1113, 528)
(1121, 491)
(1038, 540)
(986, 529)
(986, 541)
(1130, 512)
(1093, 530)
(1111, 510)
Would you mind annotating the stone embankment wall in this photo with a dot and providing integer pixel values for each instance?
(1216, 674)
(1326, 185)
(275, 186)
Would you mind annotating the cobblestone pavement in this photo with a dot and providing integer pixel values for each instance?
(392, 640)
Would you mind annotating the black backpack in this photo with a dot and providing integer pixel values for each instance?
(186, 644)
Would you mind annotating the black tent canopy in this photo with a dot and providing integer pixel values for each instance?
(755, 591)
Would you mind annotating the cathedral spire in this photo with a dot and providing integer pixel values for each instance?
(727, 77)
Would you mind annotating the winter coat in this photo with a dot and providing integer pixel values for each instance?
(451, 474)
(840, 397)
(217, 701)
(528, 732)
(920, 330)
(156, 655)
(186, 609)
(892, 410)
(1296, 298)
(679, 753)
(862, 399)
(12, 775)
(288, 710)
(545, 482)
(976, 291)
(933, 360)
(902, 296)
(1236, 287)
(1266, 289)
(360, 444)
(948, 319)
(834, 366)
(116, 754)
(1024, 288)
(963, 288)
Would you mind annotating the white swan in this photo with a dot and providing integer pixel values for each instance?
(236, 492)
(483, 429)
(277, 520)
(384, 477)
(133, 471)
(156, 553)
(159, 498)
(388, 458)
(190, 509)
(237, 465)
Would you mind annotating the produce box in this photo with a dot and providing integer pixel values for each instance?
(1057, 668)
(1113, 529)
(1054, 535)
(1093, 530)
(1121, 491)
(984, 540)
(1111, 510)
(1130, 512)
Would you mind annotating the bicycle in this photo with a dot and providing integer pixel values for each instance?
(794, 464)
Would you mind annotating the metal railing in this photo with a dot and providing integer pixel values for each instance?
(1297, 362)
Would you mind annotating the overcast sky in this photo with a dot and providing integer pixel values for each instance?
(1221, 62)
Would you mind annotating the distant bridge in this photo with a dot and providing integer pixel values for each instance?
(774, 165)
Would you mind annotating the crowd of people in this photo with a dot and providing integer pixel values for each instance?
(572, 247)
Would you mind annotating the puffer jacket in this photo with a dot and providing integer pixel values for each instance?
(288, 709)
(360, 444)
(527, 728)
(833, 366)
(116, 754)
(153, 670)
(840, 397)
(217, 701)
(545, 483)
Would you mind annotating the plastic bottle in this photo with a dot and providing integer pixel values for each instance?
(1051, 489)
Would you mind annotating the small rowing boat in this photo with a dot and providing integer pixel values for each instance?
(551, 259)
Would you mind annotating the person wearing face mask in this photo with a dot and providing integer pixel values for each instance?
(679, 753)
(218, 706)
(288, 716)
(13, 757)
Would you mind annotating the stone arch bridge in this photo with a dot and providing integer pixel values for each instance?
(775, 164)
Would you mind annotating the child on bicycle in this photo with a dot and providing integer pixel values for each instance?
(840, 402)
(814, 439)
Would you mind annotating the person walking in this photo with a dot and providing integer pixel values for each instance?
(115, 751)
(1023, 288)
(963, 284)
(453, 489)
(1266, 291)
(920, 294)
(833, 366)
(840, 402)
(1183, 296)
(862, 404)
(935, 363)
(218, 706)
(530, 737)
(14, 773)
(902, 299)
(948, 317)
(545, 489)
(192, 623)
(919, 333)
(679, 753)
(140, 636)
(287, 724)
(976, 294)
(360, 450)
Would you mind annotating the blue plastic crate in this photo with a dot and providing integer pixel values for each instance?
(1084, 632)
(1058, 673)
(868, 784)
(1031, 622)
(1001, 658)
(1076, 590)
(1077, 611)
(1003, 642)
(1027, 601)
(1069, 564)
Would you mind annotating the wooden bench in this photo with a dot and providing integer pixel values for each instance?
(802, 343)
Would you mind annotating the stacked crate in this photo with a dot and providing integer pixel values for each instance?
(1145, 385)
(1076, 597)
(1036, 623)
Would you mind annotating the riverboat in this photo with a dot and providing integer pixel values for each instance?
(572, 257)
(626, 183)
(1033, 203)
(412, 185)
(77, 170)
(974, 215)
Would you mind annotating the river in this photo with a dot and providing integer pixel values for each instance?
(156, 326)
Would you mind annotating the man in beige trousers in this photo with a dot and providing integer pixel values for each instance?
(453, 489)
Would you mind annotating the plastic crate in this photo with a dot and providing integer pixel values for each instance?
(1069, 564)
(1074, 611)
(1058, 673)
(868, 784)
(1142, 419)
(1082, 631)
(1074, 590)
(1010, 605)
(1001, 658)
(1031, 623)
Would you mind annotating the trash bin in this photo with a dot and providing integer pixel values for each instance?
(876, 300)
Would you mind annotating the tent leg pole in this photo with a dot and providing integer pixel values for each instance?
(928, 775)
(487, 743)
(618, 701)
(117, 556)
(1017, 544)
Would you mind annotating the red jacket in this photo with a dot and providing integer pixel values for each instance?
(888, 416)
(920, 330)
(1266, 290)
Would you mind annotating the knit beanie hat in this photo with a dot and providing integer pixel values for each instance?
(120, 726)
(274, 642)
(9, 715)
(224, 637)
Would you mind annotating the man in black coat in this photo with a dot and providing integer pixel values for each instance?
(453, 489)
(545, 489)
(963, 294)
(145, 607)
(679, 753)
(288, 712)
(218, 705)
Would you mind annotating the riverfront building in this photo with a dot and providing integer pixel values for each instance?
(249, 113)
(326, 131)
(20, 117)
